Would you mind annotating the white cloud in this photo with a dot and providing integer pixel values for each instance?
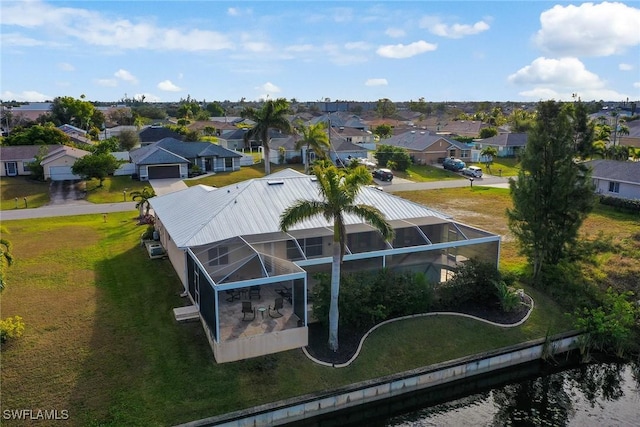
(357, 46)
(25, 96)
(96, 29)
(269, 88)
(299, 48)
(107, 82)
(148, 97)
(16, 39)
(257, 47)
(65, 66)
(395, 32)
(455, 31)
(625, 67)
(560, 78)
(342, 14)
(167, 86)
(126, 76)
(233, 11)
(636, 85)
(589, 29)
(405, 51)
(376, 82)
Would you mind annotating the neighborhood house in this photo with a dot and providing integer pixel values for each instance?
(249, 283)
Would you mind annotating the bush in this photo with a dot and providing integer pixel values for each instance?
(11, 327)
(618, 202)
(474, 281)
(367, 298)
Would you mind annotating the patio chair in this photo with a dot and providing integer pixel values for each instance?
(247, 308)
(277, 305)
(254, 291)
(232, 294)
(285, 292)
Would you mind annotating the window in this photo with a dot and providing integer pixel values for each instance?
(228, 162)
(311, 246)
(452, 152)
(465, 153)
(25, 166)
(614, 187)
(219, 255)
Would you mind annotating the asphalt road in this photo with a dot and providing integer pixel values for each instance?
(82, 207)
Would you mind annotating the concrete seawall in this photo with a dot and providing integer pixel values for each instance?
(307, 406)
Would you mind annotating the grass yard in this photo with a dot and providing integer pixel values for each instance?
(501, 166)
(101, 341)
(37, 193)
(113, 188)
(423, 173)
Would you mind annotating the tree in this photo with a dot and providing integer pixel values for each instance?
(215, 109)
(272, 115)
(97, 166)
(143, 197)
(316, 139)
(338, 190)
(37, 135)
(6, 257)
(385, 108)
(488, 153)
(488, 132)
(583, 130)
(128, 139)
(383, 131)
(36, 168)
(76, 112)
(553, 194)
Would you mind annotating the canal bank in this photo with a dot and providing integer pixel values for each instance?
(309, 406)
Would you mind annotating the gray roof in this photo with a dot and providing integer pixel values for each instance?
(192, 150)
(615, 170)
(507, 140)
(200, 215)
(23, 152)
(156, 133)
(154, 155)
(415, 140)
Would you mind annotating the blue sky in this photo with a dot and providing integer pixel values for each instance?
(362, 50)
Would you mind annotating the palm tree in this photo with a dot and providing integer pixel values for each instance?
(316, 139)
(338, 190)
(6, 258)
(144, 195)
(272, 115)
(489, 152)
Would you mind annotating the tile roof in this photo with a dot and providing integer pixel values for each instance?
(201, 215)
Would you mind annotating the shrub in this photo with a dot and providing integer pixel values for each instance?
(11, 327)
(618, 202)
(509, 298)
(474, 281)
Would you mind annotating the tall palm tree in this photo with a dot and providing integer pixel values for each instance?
(6, 258)
(272, 115)
(143, 196)
(338, 191)
(316, 139)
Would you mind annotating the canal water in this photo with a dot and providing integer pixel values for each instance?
(562, 393)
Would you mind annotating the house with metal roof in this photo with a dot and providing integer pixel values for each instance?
(616, 178)
(172, 158)
(234, 262)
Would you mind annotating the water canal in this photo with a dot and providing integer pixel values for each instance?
(564, 393)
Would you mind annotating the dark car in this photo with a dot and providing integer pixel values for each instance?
(383, 174)
(455, 165)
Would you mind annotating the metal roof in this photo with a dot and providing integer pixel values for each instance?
(200, 215)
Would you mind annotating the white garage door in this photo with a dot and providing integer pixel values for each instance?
(62, 173)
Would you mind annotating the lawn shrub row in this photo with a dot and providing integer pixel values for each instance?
(618, 202)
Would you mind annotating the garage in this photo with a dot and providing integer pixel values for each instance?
(159, 172)
(62, 173)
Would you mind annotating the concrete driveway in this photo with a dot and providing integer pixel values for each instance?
(167, 185)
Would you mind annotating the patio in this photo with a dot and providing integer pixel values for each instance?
(233, 327)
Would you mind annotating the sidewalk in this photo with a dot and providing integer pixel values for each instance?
(67, 210)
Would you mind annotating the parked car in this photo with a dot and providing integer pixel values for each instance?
(383, 174)
(453, 164)
(473, 171)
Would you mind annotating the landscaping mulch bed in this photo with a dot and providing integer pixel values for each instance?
(349, 338)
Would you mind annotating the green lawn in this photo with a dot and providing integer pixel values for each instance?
(113, 189)
(501, 166)
(102, 343)
(36, 193)
(220, 179)
(420, 173)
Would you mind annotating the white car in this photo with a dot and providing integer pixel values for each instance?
(473, 171)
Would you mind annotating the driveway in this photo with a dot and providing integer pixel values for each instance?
(168, 185)
(66, 192)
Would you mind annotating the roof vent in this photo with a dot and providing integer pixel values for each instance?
(413, 131)
(314, 178)
(421, 132)
(280, 182)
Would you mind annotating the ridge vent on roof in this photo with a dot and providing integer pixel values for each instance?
(275, 182)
